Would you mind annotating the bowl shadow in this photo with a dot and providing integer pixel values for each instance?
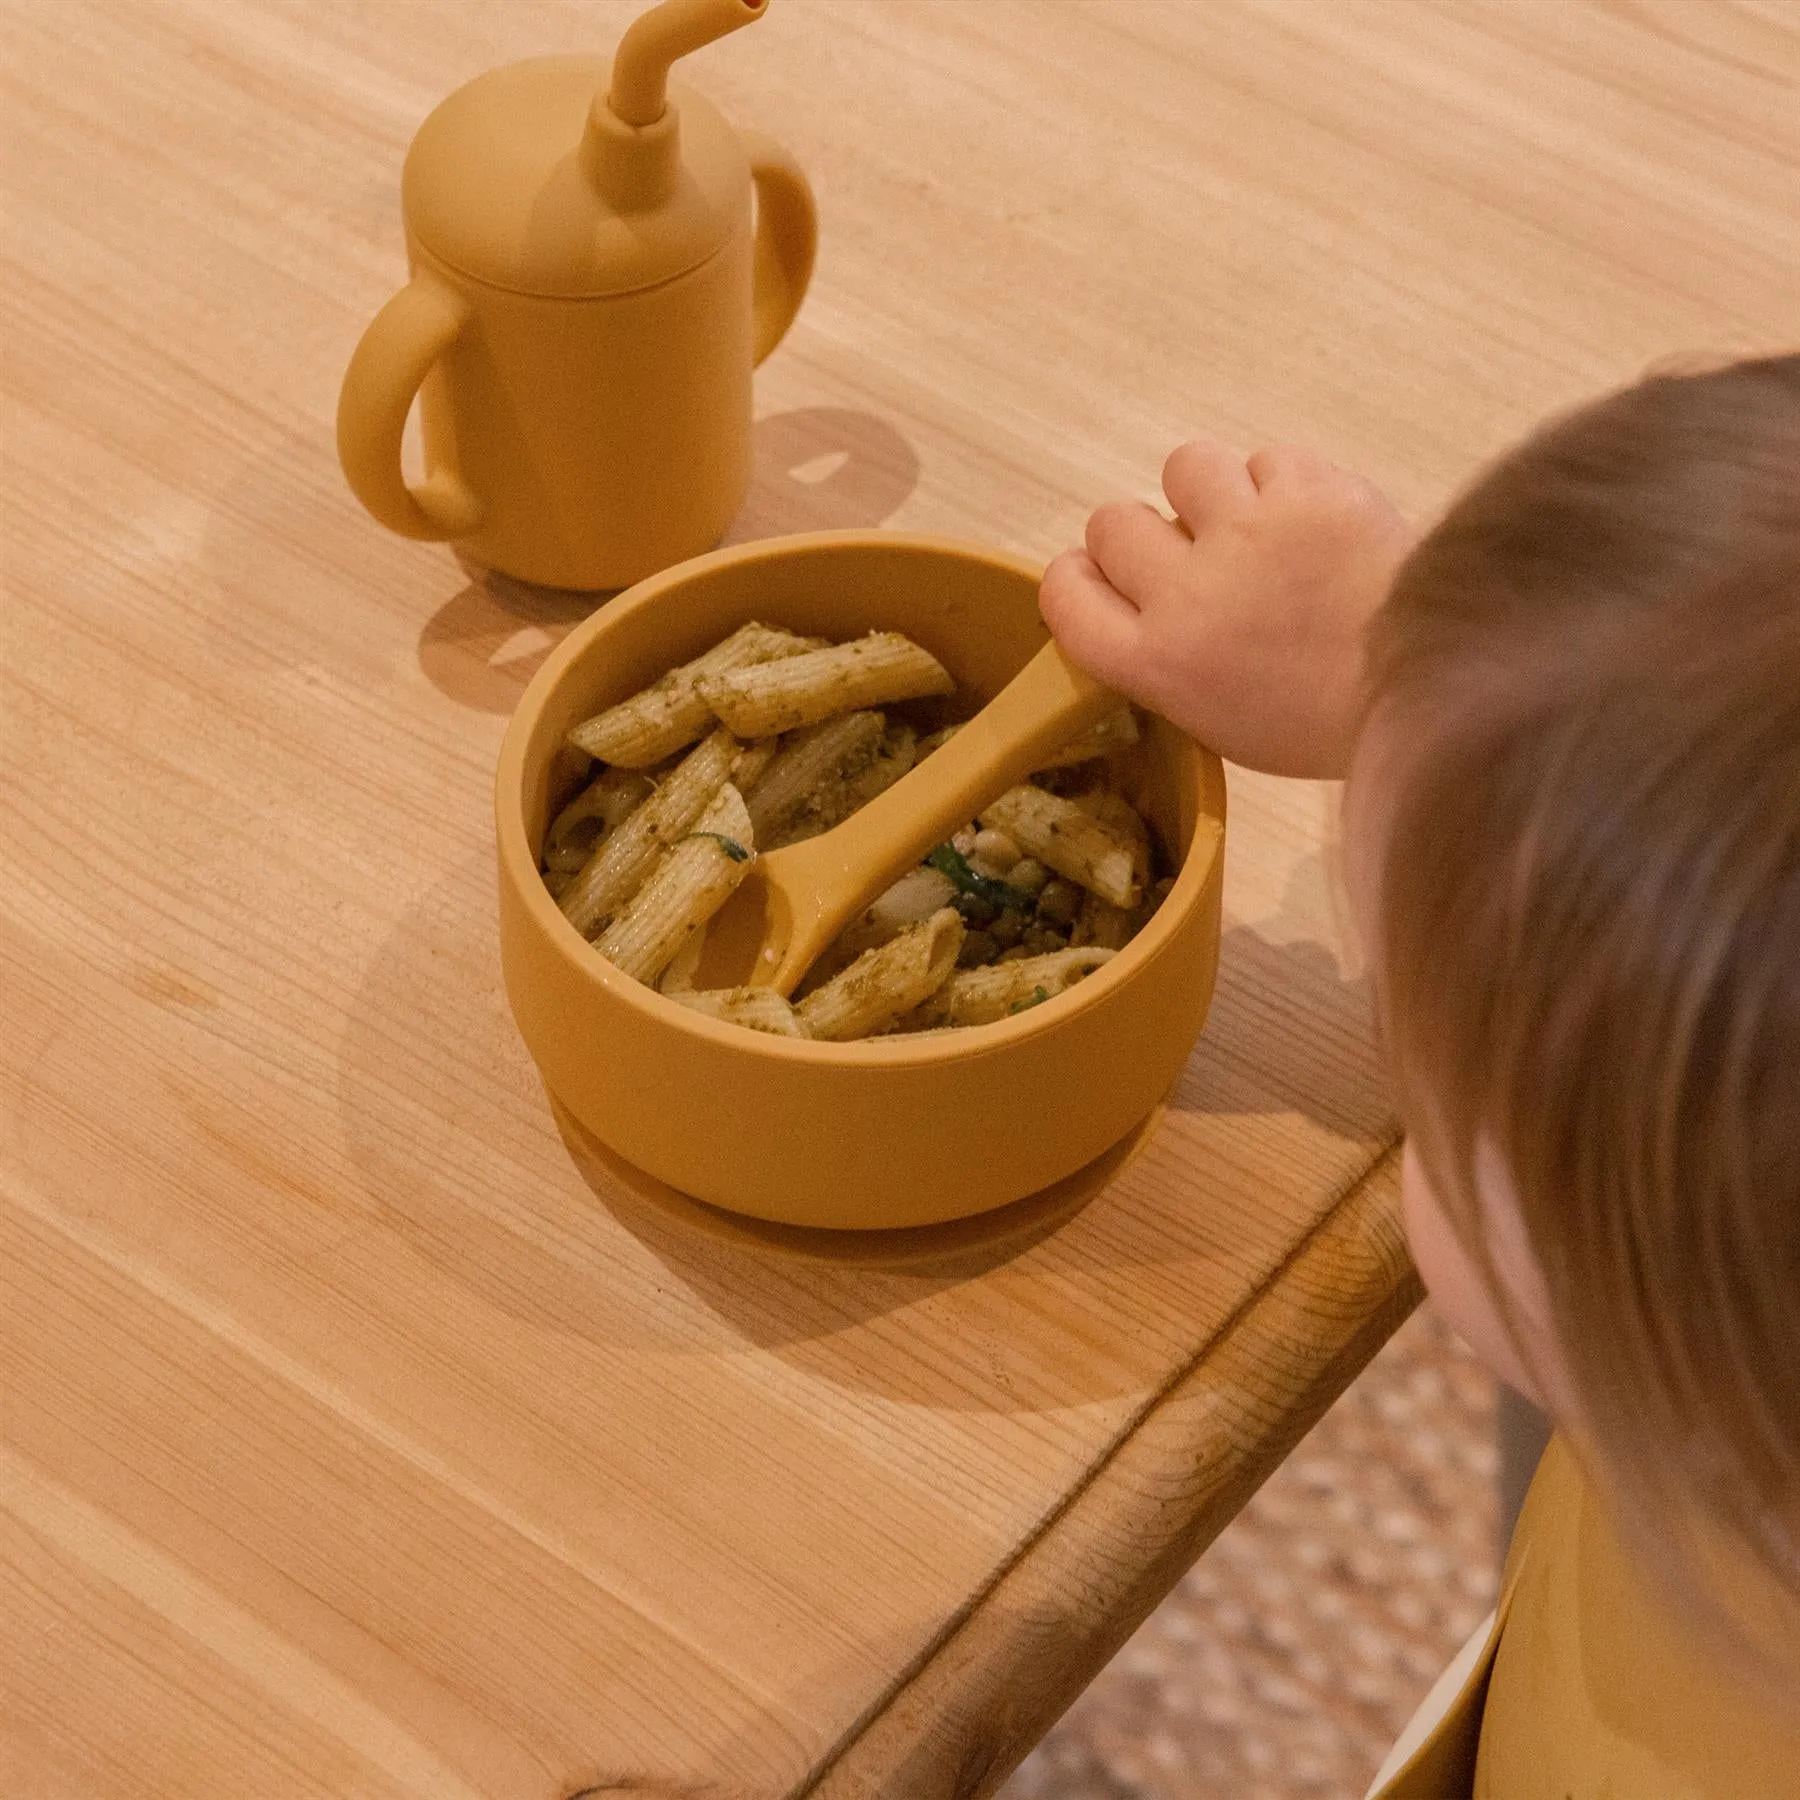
(957, 1250)
(458, 1152)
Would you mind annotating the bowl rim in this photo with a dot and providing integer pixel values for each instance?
(517, 865)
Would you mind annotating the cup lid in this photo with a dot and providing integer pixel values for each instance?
(501, 184)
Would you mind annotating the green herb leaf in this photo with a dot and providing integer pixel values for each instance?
(948, 860)
(1038, 996)
(729, 845)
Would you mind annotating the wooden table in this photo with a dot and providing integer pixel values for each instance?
(357, 1442)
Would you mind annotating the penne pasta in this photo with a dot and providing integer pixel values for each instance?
(916, 895)
(681, 976)
(566, 859)
(1043, 887)
(1117, 731)
(835, 801)
(601, 807)
(1117, 814)
(882, 986)
(1064, 838)
(760, 1009)
(810, 759)
(753, 762)
(670, 715)
(899, 753)
(802, 690)
(980, 996)
(684, 890)
(617, 869)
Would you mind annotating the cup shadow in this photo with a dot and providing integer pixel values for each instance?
(484, 644)
(817, 468)
(825, 468)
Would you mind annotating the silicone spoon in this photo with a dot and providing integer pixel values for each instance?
(794, 901)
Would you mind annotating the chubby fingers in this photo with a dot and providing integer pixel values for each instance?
(1098, 627)
(1204, 480)
(1139, 551)
(1291, 465)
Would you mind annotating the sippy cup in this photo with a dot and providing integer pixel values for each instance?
(587, 300)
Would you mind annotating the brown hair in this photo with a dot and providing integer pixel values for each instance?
(1590, 923)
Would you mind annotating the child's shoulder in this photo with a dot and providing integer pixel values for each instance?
(1584, 1684)
(1597, 1688)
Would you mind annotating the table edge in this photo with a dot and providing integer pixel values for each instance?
(957, 1723)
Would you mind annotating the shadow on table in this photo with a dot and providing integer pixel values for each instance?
(825, 468)
(456, 1152)
(445, 1121)
(818, 468)
(1288, 1032)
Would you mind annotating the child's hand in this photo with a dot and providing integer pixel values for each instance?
(1243, 622)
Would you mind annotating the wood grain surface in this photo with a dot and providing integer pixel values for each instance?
(357, 1437)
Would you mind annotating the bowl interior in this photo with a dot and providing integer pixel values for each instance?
(733, 1117)
(975, 610)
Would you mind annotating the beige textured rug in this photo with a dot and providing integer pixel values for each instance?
(1286, 1662)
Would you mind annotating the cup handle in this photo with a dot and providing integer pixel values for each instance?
(397, 352)
(787, 238)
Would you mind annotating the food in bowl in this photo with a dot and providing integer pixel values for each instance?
(901, 1130)
(769, 738)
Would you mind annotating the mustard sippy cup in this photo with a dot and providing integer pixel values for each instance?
(588, 298)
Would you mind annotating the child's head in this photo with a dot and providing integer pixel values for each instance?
(1575, 816)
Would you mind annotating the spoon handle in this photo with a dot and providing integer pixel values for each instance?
(1048, 702)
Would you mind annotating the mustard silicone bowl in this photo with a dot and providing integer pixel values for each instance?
(888, 1132)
